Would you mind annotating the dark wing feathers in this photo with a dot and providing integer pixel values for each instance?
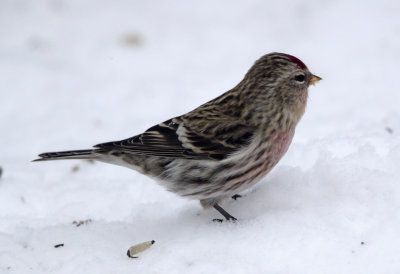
(159, 140)
(163, 140)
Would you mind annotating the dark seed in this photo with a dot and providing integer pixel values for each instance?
(389, 130)
(81, 222)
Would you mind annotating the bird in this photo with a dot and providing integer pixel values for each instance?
(224, 146)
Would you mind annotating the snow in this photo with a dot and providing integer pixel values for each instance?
(77, 73)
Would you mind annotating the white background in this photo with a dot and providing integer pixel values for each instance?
(79, 72)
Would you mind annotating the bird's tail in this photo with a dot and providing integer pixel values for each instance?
(63, 155)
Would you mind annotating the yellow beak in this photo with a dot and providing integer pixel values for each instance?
(314, 79)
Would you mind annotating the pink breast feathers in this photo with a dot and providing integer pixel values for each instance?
(281, 142)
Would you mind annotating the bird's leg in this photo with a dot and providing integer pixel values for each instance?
(236, 196)
(227, 216)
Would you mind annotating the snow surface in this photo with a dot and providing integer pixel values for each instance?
(80, 72)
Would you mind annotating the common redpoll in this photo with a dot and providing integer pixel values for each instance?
(224, 146)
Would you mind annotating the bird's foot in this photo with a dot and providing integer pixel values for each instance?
(227, 216)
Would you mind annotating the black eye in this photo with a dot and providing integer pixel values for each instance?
(300, 78)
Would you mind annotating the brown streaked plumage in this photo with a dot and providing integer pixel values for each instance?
(225, 145)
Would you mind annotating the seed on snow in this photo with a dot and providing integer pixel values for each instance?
(135, 249)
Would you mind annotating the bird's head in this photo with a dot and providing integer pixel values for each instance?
(278, 83)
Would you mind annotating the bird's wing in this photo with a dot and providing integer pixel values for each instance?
(177, 139)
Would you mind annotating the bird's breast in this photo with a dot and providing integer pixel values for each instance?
(280, 142)
(248, 167)
(268, 151)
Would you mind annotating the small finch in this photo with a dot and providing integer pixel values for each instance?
(225, 145)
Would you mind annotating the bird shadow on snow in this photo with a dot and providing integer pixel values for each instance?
(276, 192)
(271, 194)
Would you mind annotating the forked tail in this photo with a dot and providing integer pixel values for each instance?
(62, 155)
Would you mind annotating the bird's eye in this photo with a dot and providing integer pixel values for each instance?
(300, 78)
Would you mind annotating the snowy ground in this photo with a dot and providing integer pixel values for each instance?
(76, 73)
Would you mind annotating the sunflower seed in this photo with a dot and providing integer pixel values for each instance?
(135, 249)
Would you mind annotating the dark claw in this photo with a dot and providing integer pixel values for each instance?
(221, 220)
(236, 196)
(232, 219)
(218, 220)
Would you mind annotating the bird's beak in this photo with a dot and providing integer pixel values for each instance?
(314, 79)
